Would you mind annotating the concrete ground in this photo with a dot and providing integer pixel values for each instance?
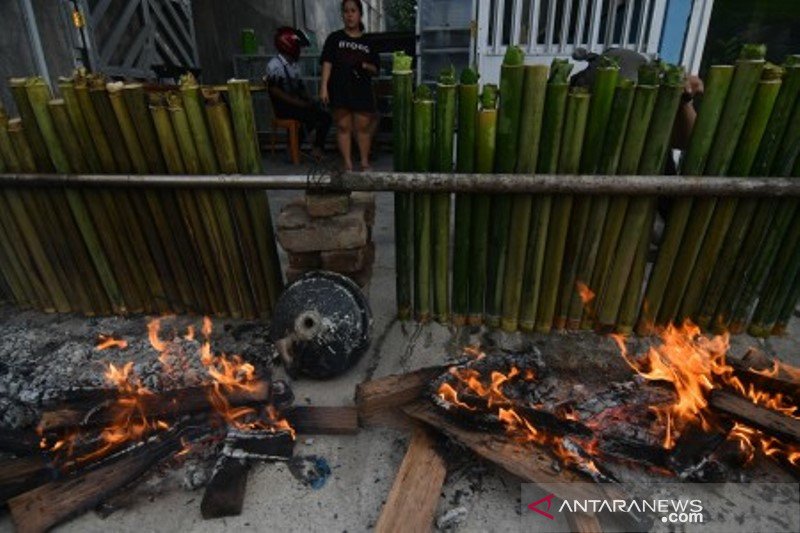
(364, 465)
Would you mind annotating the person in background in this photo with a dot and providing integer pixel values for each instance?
(288, 93)
(349, 61)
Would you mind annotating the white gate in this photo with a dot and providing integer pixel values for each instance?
(547, 29)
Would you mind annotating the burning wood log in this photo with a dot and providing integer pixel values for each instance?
(20, 475)
(378, 401)
(319, 420)
(54, 502)
(166, 404)
(416, 490)
(259, 444)
(785, 428)
(224, 495)
(19, 442)
(766, 374)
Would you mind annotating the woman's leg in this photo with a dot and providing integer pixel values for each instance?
(365, 126)
(344, 133)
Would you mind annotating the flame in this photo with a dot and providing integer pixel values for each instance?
(108, 341)
(695, 365)
(586, 294)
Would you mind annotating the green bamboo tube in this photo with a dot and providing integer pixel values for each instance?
(219, 124)
(137, 105)
(37, 294)
(108, 121)
(652, 162)
(739, 223)
(101, 142)
(481, 203)
(78, 212)
(644, 101)
(252, 298)
(67, 88)
(32, 131)
(779, 120)
(53, 207)
(174, 162)
(423, 110)
(9, 267)
(465, 162)
(787, 310)
(190, 95)
(574, 129)
(244, 127)
(402, 96)
(758, 272)
(598, 261)
(9, 159)
(716, 91)
(512, 77)
(534, 91)
(692, 270)
(127, 128)
(790, 146)
(183, 135)
(68, 137)
(111, 210)
(444, 132)
(589, 213)
(546, 163)
(778, 283)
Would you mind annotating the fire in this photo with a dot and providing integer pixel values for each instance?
(695, 365)
(107, 341)
(586, 294)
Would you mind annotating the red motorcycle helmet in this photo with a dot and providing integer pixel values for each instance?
(289, 41)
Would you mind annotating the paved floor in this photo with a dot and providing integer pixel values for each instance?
(364, 465)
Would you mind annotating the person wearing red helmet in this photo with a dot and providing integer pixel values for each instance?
(287, 91)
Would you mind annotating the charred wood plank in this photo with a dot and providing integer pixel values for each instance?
(322, 420)
(635, 451)
(224, 494)
(57, 501)
(417, 487)
(18, 441)
(743, 410)
(750, 371)
(379, 401)
(695, 446)
(23, 474)
(167, 404)
(258, 444)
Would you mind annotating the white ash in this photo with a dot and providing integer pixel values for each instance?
(44, 357)
(451, 518)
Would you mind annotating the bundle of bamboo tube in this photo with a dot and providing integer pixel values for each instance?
(538, 262)
(100, 250)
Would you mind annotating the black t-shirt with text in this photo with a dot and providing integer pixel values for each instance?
(350, 85)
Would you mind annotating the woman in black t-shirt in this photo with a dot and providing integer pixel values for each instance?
(349, 62)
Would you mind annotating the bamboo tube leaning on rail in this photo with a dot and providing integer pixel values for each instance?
(778, 283)
(402, 96)
(10, 266)
(190, 208)
(440, 202)
(481, 204)
(739, 223)
(644, 100)
(725, 208)
(244, 126)
(743, 87)
(652, 161)
(105, 113)
(512, 74)
(716, 90)
(87, 110)
(32, 131)
(212, 204)
(18, 230)
(465, 162)
(592, 210)
(766, 208)
(534, 91)
(422, 152)
(612, 220)
(555, 104)
(568, 163)
(67, 88)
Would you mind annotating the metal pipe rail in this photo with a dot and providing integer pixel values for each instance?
(440, 182)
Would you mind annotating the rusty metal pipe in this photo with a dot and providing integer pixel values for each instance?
(440, 182)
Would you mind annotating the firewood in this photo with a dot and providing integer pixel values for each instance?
(743, 410)
(224, 495)
(695, 445)
(258, 444)
(167, 404)
(319, 420)
(584, 523)
(416, 490)
(378, 401)
(745, 370)
(19, 442)
(20, 475)
(52, 503)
